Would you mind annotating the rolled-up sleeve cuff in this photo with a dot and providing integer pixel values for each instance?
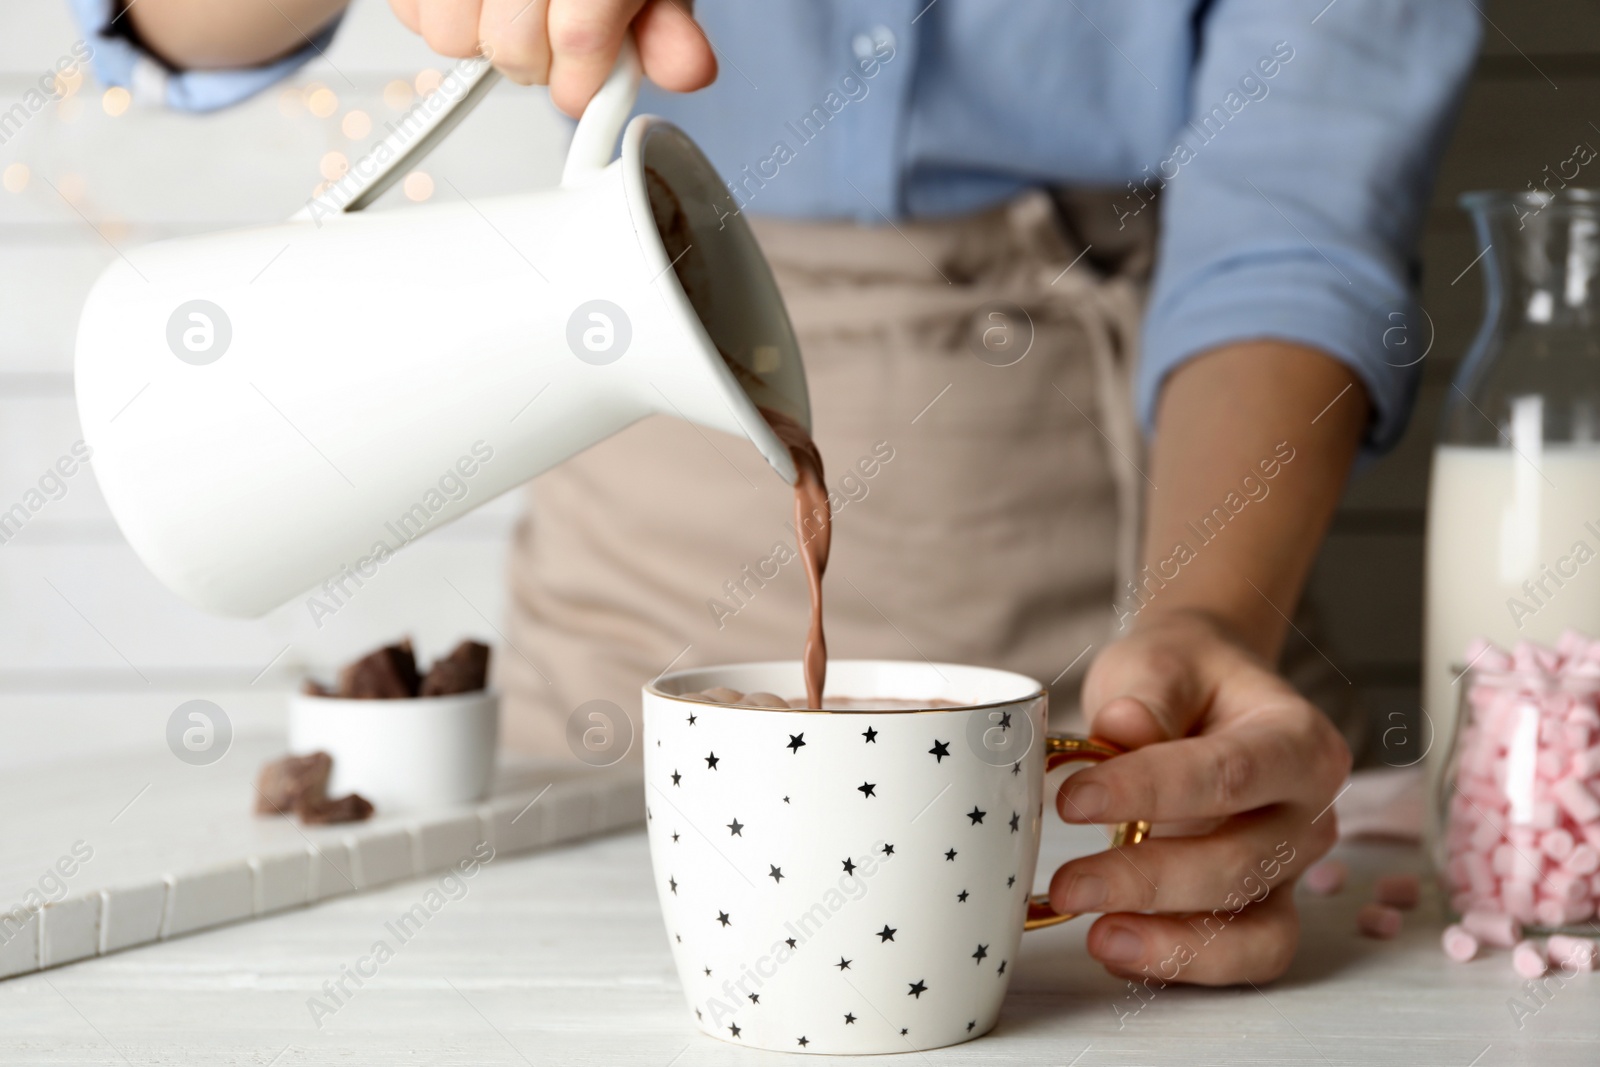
(1382, 339)
(117, 60)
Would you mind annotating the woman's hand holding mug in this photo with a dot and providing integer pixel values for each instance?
(1223, 744)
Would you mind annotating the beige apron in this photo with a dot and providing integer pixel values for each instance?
(984, 513)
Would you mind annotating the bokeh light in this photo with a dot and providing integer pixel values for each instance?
(333, 166)
(68, 82)
(428, 80)
(116, 101)
(72, 187)
(418, 186)
(322, 101)
(397, 94)
(356, 124)
(15, 177)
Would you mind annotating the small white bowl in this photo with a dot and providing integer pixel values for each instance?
(403, 755)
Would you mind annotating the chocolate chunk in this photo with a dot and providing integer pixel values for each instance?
(387, 674)
(352, 808)
(285, 784)
(465, 670)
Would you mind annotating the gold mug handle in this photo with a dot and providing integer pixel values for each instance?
(1065, 749)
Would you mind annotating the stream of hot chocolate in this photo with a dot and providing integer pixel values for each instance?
(813, 529)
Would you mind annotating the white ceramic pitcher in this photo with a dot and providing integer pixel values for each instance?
(273, 406)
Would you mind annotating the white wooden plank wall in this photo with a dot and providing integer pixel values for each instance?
(91, 646)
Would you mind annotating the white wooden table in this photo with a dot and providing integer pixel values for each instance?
(559, 957)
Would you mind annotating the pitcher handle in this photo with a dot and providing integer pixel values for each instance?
(409, 142)
(421, 131)
(1061, 749)
(595, 140)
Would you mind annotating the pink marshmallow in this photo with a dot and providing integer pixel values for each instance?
(1492, 927)
(1575, 735)
(1326, 878)
(1484, 799)
(1549, 728)
(1578, 801)
(1517, 864)
(1586, 711)
(1378, 920)
(1557, 844)
(1459, 944)
(1572, 953)
(1578, 911)
(1585, 859)
(1485, 835)
(1567, 887)
(1520, 901)
(1398, 891)
(1528, 960)
(1550, 912)
(1586, 764)
(1479, 876)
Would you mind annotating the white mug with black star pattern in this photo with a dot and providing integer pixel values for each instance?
(850, 881)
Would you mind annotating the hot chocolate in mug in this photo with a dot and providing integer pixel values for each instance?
(851, 881)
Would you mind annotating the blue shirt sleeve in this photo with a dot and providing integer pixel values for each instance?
(118, 61)
(1296, 192)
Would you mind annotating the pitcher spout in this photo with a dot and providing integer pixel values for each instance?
(743, 356)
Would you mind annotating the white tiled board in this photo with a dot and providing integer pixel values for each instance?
(109, 853)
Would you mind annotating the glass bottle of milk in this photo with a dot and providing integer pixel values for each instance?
(1513, 543)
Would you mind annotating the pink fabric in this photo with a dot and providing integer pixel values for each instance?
(1382, 803)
